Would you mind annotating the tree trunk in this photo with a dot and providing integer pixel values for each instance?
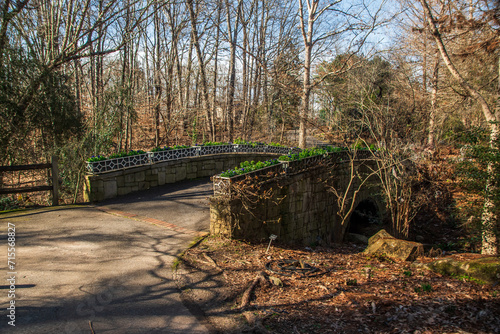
(431, 139)
(216, 64)
(490, 216)
(201, 64)
(307, 36)
(157, 76)
(233, 35)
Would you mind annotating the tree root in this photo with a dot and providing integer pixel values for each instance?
(248, 292)
(250, 317)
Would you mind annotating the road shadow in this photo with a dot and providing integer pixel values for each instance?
(88, 276)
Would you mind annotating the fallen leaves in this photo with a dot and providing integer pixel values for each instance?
(355, 294)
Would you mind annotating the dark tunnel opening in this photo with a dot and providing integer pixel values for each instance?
(365, 219)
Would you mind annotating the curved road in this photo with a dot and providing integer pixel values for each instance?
(106, 267)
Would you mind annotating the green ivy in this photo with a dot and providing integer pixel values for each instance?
(166, 148)
(249, 166)
(239, 141)
(306, 153)
(214, 143)
(96, 158)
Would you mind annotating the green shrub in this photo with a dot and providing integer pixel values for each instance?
(249, 166)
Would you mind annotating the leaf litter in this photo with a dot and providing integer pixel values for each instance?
(354, 293)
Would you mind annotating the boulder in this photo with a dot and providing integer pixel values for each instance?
(357, 238)
(484, 269)
(382, 243)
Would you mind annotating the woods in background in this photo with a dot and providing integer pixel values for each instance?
(86, 77)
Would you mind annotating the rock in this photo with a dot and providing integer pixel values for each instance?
(383, 243)
(379, 235)
(419, 238)
(357, 238)
(276, 281)
(485, 269)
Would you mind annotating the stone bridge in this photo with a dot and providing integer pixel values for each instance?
(299, 201)
(111, 184)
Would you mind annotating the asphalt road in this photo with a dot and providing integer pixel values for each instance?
(105, 268)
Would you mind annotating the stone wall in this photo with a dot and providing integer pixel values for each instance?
(108, 185)
(300, 208)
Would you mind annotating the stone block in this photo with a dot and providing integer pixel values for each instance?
(357, 238)
(385, 244)
(272, 212)
(124, 190)
(208, 166)
(161, 178)
(129, 178)
(170, 178)
(299, 205)
(110, 189)
(205, 173)
(180, 173)
(140, 176)
(486, 269)
(120, 181)
(151, 178)
(319, 188)
(192, 168)
(306, 203)
(144, 185)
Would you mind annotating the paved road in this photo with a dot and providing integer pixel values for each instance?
(106, 266)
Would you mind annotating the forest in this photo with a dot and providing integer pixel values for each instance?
(418, 79)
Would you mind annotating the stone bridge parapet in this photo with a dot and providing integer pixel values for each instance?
(115, 183)
(298, 201)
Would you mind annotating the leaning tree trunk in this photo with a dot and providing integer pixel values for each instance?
(490, 215)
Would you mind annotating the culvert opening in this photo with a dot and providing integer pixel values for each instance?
(365, 219)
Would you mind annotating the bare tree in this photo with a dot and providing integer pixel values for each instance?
(490, 214)
(343, 21)
(202, 70)
(232, 33)
(69, 29)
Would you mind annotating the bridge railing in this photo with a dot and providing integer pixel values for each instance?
(223, 185)
(96, 167)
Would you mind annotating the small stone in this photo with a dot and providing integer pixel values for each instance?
(419, 238)
(276, 281)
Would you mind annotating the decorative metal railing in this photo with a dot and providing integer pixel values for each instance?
(223, 185)
(96, 167)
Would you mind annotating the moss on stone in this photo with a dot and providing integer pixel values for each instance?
(482, 270)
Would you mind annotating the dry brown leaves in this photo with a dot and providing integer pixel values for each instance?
(355, 293)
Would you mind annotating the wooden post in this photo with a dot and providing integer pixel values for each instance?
(55, 181)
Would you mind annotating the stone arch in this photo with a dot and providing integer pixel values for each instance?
(364, 200)
(366, 219)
